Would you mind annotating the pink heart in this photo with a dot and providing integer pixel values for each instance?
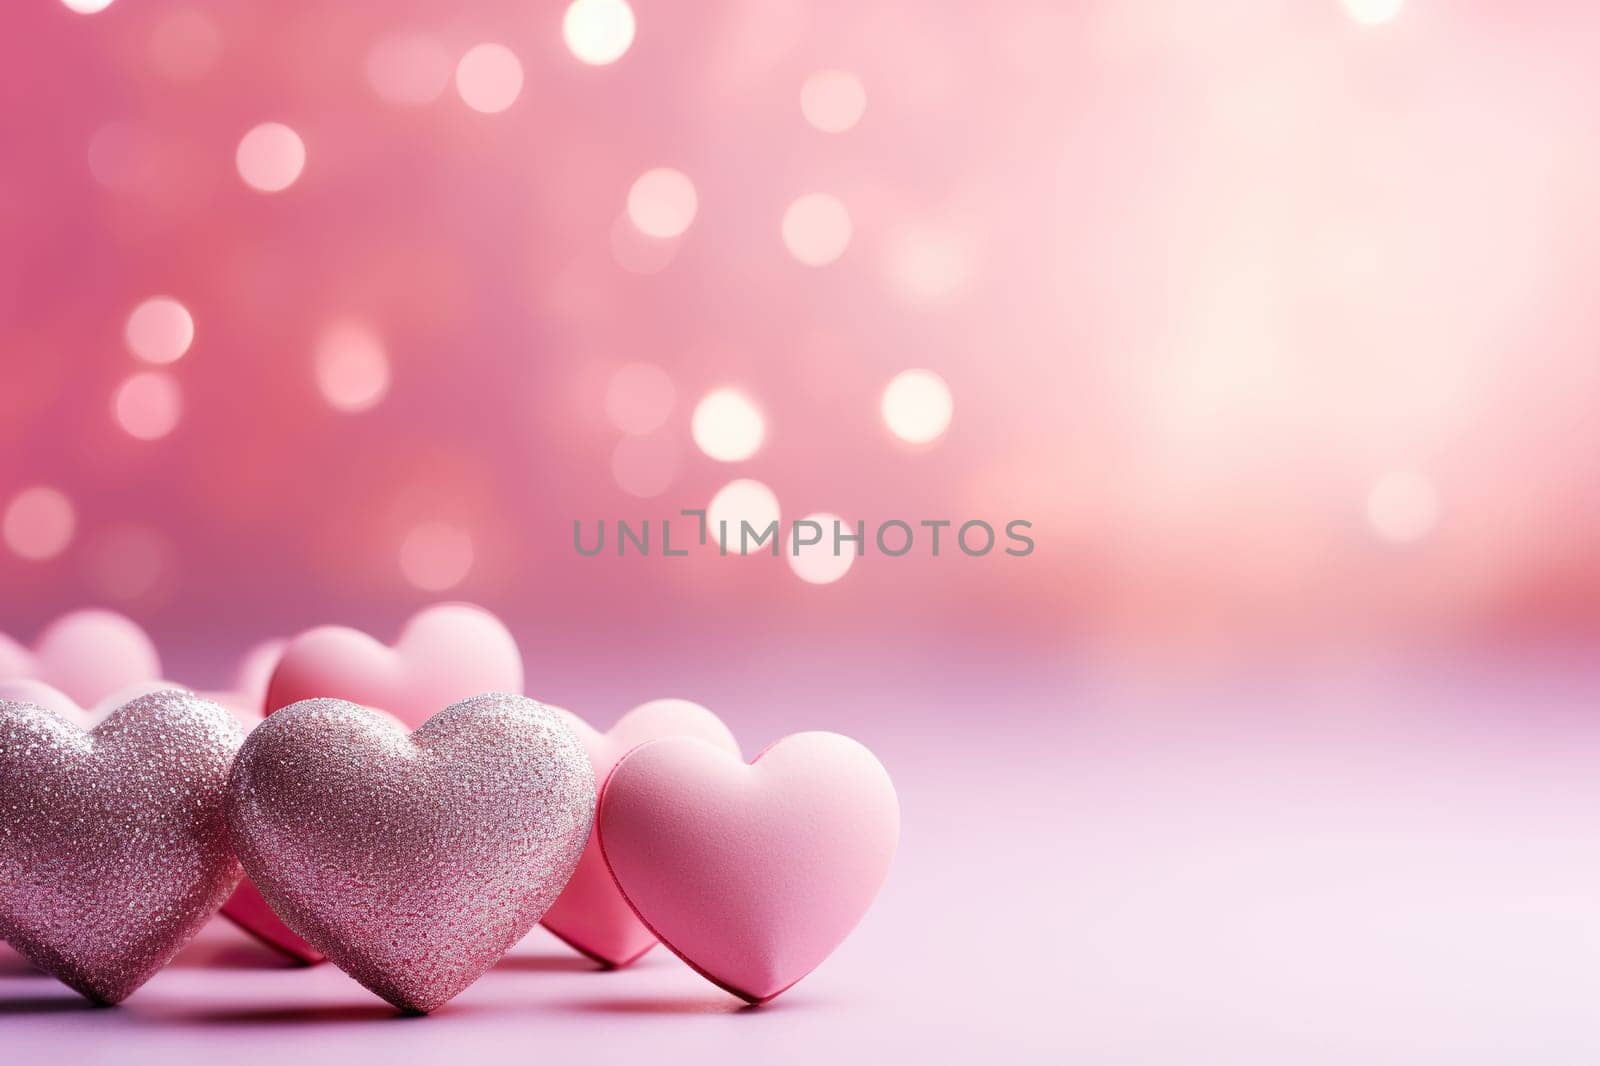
(412, 861)
(445, 653)
(246, 694)
(88, 655)
(114, 851)
(27, 690)
(752, 874)
(591, 914)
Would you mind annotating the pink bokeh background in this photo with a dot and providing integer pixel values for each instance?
(1274, 318)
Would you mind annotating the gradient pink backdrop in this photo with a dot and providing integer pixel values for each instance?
(1278, 326)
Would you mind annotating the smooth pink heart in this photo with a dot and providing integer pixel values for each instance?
(113, 848)
(752, 874)
(445, 653)
(591, 914)
(246, 694)
(412, 861)
(88, 654)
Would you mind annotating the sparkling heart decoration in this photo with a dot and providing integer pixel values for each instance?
(113, 846)
(413, 862)
(445, 653)
(591, 914)
(752, 874)
(89, 655)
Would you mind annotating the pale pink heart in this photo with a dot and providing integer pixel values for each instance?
(114, 849)
(27, 690)
(445, 653)
(591, 914)
(412, 861)
(88, 654)
(752, 874)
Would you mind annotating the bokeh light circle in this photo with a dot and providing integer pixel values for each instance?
(1373, 12)
(1402, 507)
(816, 564)
(130, 562)
(917, 406)
(351, 367)
(816, 229)
(39, 523)
(639, 397)
(159, 330)
(742, 500)
(435, 556)
(148, 405)
(489, 78)
(727, 426)
(408, 69)
(662, 202)
(185, 44)
(598, 32)
(833, 101)
(270, 157)
(645, 466)
(86, 7)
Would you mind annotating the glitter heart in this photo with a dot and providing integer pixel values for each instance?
(415, 861)
(445, 653)
(89, 655)
(591, 914)
(752, 874)
(113, 851)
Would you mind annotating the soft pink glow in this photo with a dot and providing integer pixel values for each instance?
(410, 69)
(645, 466)
(186, 44)
(816, 229)
(833, 100)
(159, 330)
(270, 157)
(351, 366)
(39, 523)
(489, 78)
(639, 397)
(436, 556)
(662, 203)
(148, 405)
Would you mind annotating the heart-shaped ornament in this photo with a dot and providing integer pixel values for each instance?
(751, 873)
(89, 655)
(113, 847)
(591, 914)
(445, 653)
(414, 861)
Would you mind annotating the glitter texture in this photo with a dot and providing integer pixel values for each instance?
(113, 847)
(412, 862)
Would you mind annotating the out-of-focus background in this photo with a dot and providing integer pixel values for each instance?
(1273, 317)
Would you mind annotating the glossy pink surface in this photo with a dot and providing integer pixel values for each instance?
(591, 914)
(752, 874)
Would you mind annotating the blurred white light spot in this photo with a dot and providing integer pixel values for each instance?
(819, 564)
(816, 229)
(39, 523)
(270, 157)
(598, 31)
(639, 397)
(917, 406)
(727, 426)
(409, 69)
(159, 330)
(1373, 12)
(352, 368)
(662, 202)
(185, 44)
(833, 100)
(742, 500)
(926, 266)
(1402, 507)
(636, 253)
(489, 78)
(436, 556)
(147, 405)
(645, 466)
(86, 7)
